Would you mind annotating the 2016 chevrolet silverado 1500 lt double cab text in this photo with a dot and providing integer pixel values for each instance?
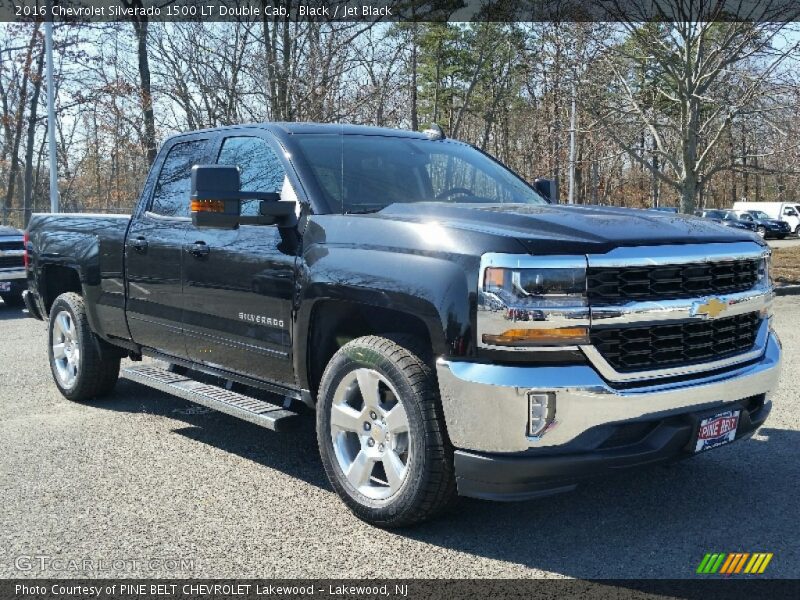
(454, 331)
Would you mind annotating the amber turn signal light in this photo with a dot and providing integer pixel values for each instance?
(539, 337)
(208, 206)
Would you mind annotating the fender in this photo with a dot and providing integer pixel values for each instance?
(433, 289)
(92, 246)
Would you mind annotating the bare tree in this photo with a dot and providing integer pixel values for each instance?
(684, 83)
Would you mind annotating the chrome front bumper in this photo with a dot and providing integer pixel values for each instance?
(12, 274)
(486, 406)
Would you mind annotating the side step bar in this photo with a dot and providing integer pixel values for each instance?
(231, 403)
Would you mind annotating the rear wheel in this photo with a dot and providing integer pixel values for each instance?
(762, 231)
(83, 366)
(381, 432)
(797, 231)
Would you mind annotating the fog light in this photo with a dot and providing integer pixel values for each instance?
(541, 411)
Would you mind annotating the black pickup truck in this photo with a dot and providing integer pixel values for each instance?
(453, 330)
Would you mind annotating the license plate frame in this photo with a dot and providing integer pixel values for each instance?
(717, 430)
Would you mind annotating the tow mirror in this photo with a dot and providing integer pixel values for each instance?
(216, 200)
(547, 188)
(215, 196)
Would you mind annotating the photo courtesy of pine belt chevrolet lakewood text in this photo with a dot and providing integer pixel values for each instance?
(453, 329)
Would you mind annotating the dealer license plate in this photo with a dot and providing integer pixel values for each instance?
(5, 286)
(717, 430)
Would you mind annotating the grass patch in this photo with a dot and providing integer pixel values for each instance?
(786, 265)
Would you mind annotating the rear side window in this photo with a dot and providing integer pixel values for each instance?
(261, 169)
(171, 195)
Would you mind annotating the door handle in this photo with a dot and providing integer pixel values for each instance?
(139, 244)
(199, 249)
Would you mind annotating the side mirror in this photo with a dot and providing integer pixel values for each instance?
(216, 201)
(547, 188)
(214, 197)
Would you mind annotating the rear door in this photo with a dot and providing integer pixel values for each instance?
(239, 284)
(154, 251)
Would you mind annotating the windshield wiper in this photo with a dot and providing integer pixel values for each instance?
(364, 211)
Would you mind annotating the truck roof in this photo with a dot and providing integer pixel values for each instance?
(315, 128)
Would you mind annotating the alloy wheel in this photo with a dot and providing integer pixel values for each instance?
(66, 349)
(370, 433)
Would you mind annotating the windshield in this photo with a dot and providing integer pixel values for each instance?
(361, 173)
(759, 215)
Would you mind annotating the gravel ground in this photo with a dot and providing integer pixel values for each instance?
(790, 242)
(145, 476)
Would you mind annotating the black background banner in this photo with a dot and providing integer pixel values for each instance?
(402, 10)
(549, 589)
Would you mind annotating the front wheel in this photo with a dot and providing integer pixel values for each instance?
(83, 366)
(762, 231)
(381, 432)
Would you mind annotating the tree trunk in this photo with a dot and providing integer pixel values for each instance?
(13, 171)
(414, 109)
(140, 26)
(28, 178)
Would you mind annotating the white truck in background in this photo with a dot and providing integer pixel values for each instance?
(789, 212)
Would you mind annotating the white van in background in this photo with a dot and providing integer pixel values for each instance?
(788, 212)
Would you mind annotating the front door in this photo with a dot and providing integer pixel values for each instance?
(154, 249)
(239, 284)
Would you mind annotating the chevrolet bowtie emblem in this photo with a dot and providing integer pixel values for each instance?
(712, 308)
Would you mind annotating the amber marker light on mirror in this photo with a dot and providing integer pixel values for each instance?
(208, 206)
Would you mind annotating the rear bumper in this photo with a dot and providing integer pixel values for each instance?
(509, 477)
(16, 275)
(486, 409)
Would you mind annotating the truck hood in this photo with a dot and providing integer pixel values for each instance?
(554, 229)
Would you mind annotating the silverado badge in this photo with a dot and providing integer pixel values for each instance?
(710, 309)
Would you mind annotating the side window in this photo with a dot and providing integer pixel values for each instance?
(171, 194)
(261, 169)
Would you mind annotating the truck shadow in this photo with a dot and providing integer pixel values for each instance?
(11, 311)
(293, 453)
(652, 523)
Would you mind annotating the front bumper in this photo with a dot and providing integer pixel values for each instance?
(508, 477)
(486, 411)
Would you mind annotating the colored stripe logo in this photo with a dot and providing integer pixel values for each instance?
(734, 563)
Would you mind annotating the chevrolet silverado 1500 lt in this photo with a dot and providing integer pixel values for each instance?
(454, 331)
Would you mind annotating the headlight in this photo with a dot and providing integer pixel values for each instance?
(764, 274)
(521, 307)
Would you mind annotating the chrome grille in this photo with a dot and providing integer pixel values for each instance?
(665, 282)
(11, 262)
(630, 349)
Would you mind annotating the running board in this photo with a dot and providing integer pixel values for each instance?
(225, 401)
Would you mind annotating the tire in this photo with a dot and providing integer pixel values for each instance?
(83, 366)
(762, 231)
(12, 299)
(398, 479)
